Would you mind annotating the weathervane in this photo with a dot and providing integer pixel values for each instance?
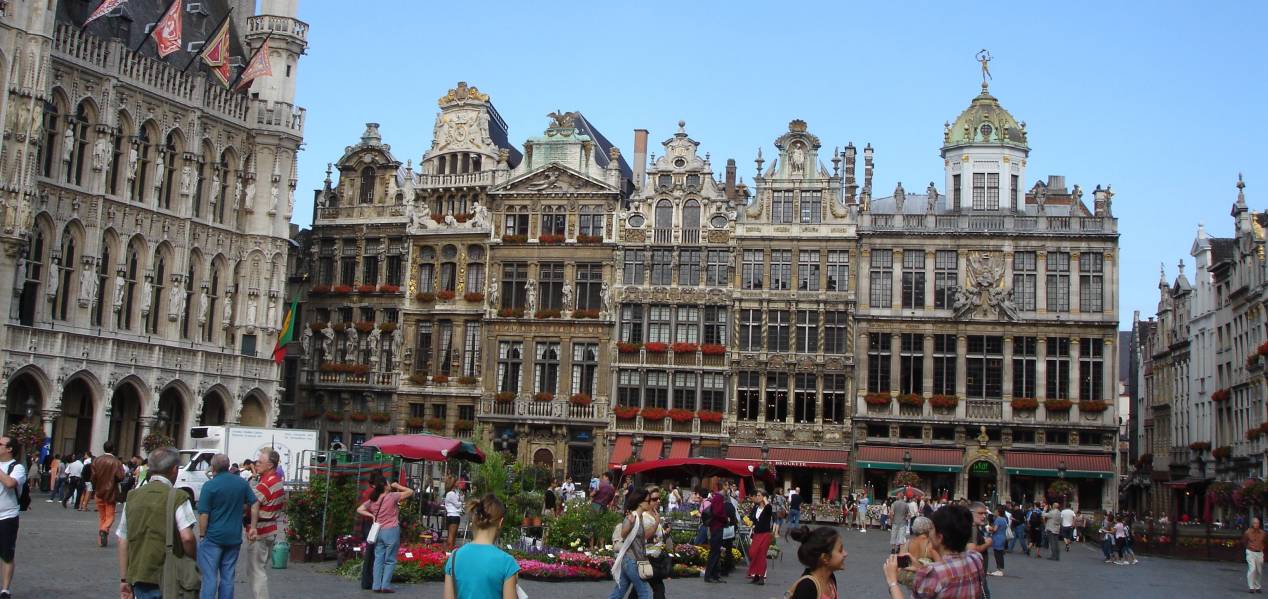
(984, 57)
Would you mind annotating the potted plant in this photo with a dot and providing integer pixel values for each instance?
(629, 348)
(713, 349)
(387, 327)
(474, 297)
(319, 290)
(435, 424)
(625, 412)
(656, 347)
(358, 416)
(425, 297)
(440, 379)
(906, 478)
(1057, 405)
(1060, 490)
(512, 238)
(1200, 446)
(589, 239)
(418, 378)
(511, 312)
(877, 399)
(681, 415)
(317, 327)
(504, 396)
(709, 416)
(339, 327)
(445, 294)
(944, 402)
(389, 288)
(655, 413)
(1025, 403)
(543, 396)
(1263, 349)
(547, 313)
(415, 422)
(1221, 395)
(1093, 406)
(580, 399)
(685, 348)
(1222, 452)
(25, 434)
(1253, 433)
(438, 217)
(585, 313)
(911, 399)
(341, 289)
(364, 289)
(550, 238)
(364, 326)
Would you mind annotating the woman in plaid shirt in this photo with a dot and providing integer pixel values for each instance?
(957, 574)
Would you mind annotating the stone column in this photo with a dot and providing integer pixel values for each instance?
(927, 365)
(895, 349)
(1074, 283)
(961, 364)
(1041, 282)
(929, 284)
(1108, 387)
(861, 359)
(1041, 367)
(1008, 368)
(1074, 370)
(896, 292)
(864, 278)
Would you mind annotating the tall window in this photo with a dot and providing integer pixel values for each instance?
(781, 207)
(423, 349)
(658, 323)
(811, 207)
(780, 269)
(1058, 365)
(944, 365)
(103, 277)
(116, 158)
(515, 224)
(82, 125)
(471, 348)
(913, 279)
(201, 179)
(808, 270)
(65, 275)
(751, 270)
(49, 154)
(445, 356)
(882, 279)
(956, 191)
(189, 301)
(807, 331)
(750, 330)
(370, 263)
(689, 267)
(396, 262)
(984, 373)
(585, 368)
(835, 331)
(834, 398)
(776, 397)
(426, 270)
(366, 188)
(589, 279)
(158, 290)
(632, 323)
(547, 364)
(713, 392)
(590, 222)
(716, 319)
(1015, 182)
(171, 170)
(911, 364)
(749, 395)
(719, 269)
(664, 223)
(1025, 272)
(687, 325)
(685, 390)
(662, 267)
(805, 392)
(550, 289)
(448, 268)
(986, 191)
(213, 293)
(778, 329)
(945, 279)
(691, 222)
(1091, 369)
(1025, 358)
(510, 361)
(657, 394)
(632, 271)
(228, 174)
(838, 270)
(554, 222)
(144, 148)
(1058, 282)
(514, 284)
(629, 389)
(348, 263)
(878, 367)
(1091, 282)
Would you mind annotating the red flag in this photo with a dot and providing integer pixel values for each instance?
(259, 66)
(215, 53)
(103, 9)
(167, 32)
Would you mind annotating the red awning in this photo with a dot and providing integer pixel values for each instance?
(621, 451)
(681, 448)
(919, 455)
(794, 457)
(743, 452)
(432, 448)
(1074, 462)
(702, 466)
(651, 448)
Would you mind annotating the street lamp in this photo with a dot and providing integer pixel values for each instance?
(1061, 469)
(30, 407)
(907, 460)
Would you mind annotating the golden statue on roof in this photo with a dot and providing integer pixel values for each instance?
(984, 57)
(462, 93)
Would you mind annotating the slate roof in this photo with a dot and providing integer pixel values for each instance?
(1222, 249)
(500, 134)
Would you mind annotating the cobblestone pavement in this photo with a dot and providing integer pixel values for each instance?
(57, 557)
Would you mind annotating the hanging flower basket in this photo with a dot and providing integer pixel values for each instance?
(425, 297)
(1200, 446)
(709, 416)
(1060, 490)
(445, 294)
(1221, 395)
(1093, 406)
(911, 399)
(381, 417)
(877, 399)
(629, 348)
(504, 397)
(341, 289)
(474, 297)
(685, 348)
(1025, 403)
(592, 314)
(543, 396)
(906, 478)
(333, 416)
(681, 415)
(713, 349)
(944, 402)
(580, 399)
(1057, 405)
(389, 289)
(657, 347)
(625, 412)
(655, 413)
(151, 441)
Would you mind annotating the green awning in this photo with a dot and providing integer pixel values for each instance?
(1057, 474)
(915, 467)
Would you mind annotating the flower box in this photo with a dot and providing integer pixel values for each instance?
(466, 380)
(907, 478)
(367, 289)
(425, 297)
(543, 396)
(656, 347)
(629, 348)
(333, 416)
(310, 414)
(358, 416)
(713, 349)
(709, 416)
(418, 378)
(514, 238)
(319, 290)
(580, 399)
(474, 297)
(1222, 452)
(364, 326)
(625, 412)
(1264, 426)
(339, 327)
(317, 327)
(435, 424)
(464, 217)
(438, 217)
(415, 422)
(911, 399)
(381, 417)
(511, 312)
(550, 238)
(504, 396)
(464, 425)
(681, 415)
(445, 294)
(1025, 403)
(685, 348)
(944, 401)
(387, 327)
(440, 379)
(1221, 395)
(589, 239)
(548, 313)
(390, 289)
(1057, 405)
(1093, 406)
(341, 289)
(655, 413)
(1200, 446)
(1254, 433)
(1263, 349)
(585, 313)
(877, 399)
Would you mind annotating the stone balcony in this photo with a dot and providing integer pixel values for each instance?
(695, 426)
(982, 411)
(317, 378)
(941, 223)
(555, 410)
(694, 359)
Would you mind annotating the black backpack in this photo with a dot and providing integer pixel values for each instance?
(24, 496)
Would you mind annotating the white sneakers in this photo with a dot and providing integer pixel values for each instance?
(997, 573)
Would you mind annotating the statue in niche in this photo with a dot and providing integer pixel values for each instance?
(159, 165)
(419, 218)
(100, 153)
(132, 158)
(175, 301)
(566, 293)
(327, 342)
(53, 279)
(375, 342)
(493, 292)
(119, 286)
(797, 159)
(605, 297)
(204, 304)
(147, 296)
(226, 316)
(68, 143)
(306, 342)
(252, 306)
(272, 313)
(87, 285)
(274, 196)
(530, 296)
(187, 180)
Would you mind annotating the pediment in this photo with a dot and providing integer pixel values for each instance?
(554, 178)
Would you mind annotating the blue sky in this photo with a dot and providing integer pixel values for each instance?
(1166, 104)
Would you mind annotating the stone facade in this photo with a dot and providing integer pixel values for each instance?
(145, 224)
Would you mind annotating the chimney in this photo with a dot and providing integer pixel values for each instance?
(640, 157)
(867, 170)
(1056, 185)
(850, 184)
(730, 179)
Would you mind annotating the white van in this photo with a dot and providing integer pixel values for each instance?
(242, 443)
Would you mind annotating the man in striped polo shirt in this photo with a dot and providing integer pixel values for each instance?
(271, 498)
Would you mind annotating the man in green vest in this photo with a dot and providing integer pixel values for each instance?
(142, 530)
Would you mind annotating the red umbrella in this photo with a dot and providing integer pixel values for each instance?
(834, 490)
(432, 448)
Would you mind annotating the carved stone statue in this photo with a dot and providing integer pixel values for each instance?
(175, 301)
(566, 292)
(984, 288)
(354, 338)
(68, 143)
(419, 217)
(290, 199)
(530, 296)
(237, 193)
(327, 342)
(272, 321)
(273, 197)
(215, 185)
(147, 296)
(132, 158)
(900, 198)
(187, 180)
(397, 338)
(481, 217)
(119, 288)
(204, 304)
(450, 221)
(249, 198)
(550, 180)
(87, 286)
(376, 344)
(100, 153)
(53, 278)
(159, 166)
(797, 159)
(605, 297)
(252, 306)
(226, 314)
(493, 292)
(306, 342)
(932, 192)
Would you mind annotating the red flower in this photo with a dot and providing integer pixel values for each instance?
(505, 396)
(685, 348)
(681, 415)
(474, 297)
(710, 416)
(655, 413)
(544, 396)
(877, 399)
(657, 347)
(628, 348)
(550, 238)
(625, 413)
(425, 297)
(1025, 403)
(580, 399)
(713, 349)
(445, 294)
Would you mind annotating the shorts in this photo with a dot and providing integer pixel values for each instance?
(453, 520)
(8, 538)
(1067, 533)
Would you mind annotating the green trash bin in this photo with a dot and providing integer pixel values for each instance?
(281, 554)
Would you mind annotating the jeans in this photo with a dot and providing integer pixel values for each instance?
(74, 486)
(218, 563)
(56, 495)
(1054, 545)
(1019, 538)
(1254, 568)
(143, 590)
(385, 545)
(715, 552)
(1107, 546)
(794, 518)
(629, 577)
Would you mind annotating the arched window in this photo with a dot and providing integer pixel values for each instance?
(224, 190)
(172, 168)
(34, 273)
(156, 290)
(664, 215)
(82, 126)
(132, 265)
(143, 144)
(367, 185)
(448, 268)
(49, 152)
(117, 160)
(202, 186)
(691, 215)
(195, 265)
(213, 298)
(65, 275)
(103, 276)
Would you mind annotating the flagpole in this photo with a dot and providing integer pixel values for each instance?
(263, 45)
(214, 31)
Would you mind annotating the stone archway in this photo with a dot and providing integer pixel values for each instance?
(125, 420)
(24, 399)
(253, 412)
(983, 482)
(214, 410)
(73, 429)
(170, 419)
(544, 458)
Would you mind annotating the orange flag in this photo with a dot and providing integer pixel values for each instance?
(103, 9)
(167, 32)
(259, 66)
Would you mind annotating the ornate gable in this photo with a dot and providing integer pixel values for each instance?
(554, 178)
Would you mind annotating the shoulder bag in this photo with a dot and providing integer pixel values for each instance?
(373, 535)
(180, 578)
(792, 590)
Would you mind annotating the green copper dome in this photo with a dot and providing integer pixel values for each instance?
(985, 122)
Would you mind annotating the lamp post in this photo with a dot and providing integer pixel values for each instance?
(907, 461)
(1061, 469)
(30, 407)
